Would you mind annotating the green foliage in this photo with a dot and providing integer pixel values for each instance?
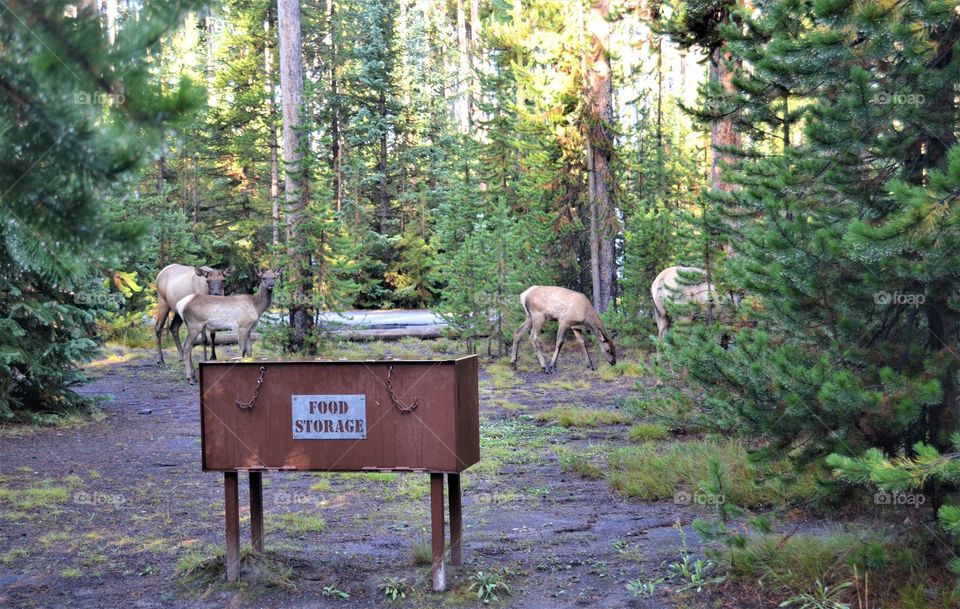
(75, 117)
(488, 586)
(843, 229)
(394, 588)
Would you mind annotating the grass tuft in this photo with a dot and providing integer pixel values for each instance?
(659, 470)
(642, 432)
(570, 416)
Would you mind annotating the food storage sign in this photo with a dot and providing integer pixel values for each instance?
(329, 417)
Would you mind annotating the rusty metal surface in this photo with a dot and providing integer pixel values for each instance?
(440, 434)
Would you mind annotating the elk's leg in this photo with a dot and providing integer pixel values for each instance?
(536, 325)
(517, 337)
(213, 345)
(162, 314)
(192, 336)
(663, 323)
(583, 345)
(243, 340)
(175, 332)
(561, 333)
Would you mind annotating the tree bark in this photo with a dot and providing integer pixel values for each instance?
(382, 168)
(295, 187)
(269, 26)
(336, 150)
(599, 141)
(463, 75)
(722, 133)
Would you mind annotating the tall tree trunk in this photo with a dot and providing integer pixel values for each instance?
(336, 156)
(722, 132)
(599, 103)
(473, 48)
(268, 27)
(111, 10)
(295, 187)
(382, 168)
(463, 73)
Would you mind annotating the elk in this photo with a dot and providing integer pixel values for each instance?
(175, 282)
(572, 311)
(239, 313)
(670, 285)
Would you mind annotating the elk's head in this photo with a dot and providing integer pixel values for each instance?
(609, 350)
(268, 279)
(214, 279)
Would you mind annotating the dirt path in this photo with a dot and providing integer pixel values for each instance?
(99, 517)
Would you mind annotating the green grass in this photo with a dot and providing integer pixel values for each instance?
(570, 416)
(321, 486)
(71, 573)
(502, 376)
(621, 370)
(46, 495)
(578, 462)
(422, 551)
(563, 385)
(301, 524)
(642, 432)
(898, 574)
(659, 470)
(13, 556)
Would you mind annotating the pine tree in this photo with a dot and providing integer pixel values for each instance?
(844, 238)
(75, 116)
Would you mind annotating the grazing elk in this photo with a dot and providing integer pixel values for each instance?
(240, 313)
(671, 284)
(573, 312)
(175, 282)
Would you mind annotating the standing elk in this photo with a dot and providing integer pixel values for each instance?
(671, 285)
(215, 313)
(175, 282)
(572, 311)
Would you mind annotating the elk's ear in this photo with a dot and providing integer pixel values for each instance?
(276, 273)
(203, 270)
(229, 271)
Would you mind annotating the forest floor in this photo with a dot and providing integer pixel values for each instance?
(117, 512)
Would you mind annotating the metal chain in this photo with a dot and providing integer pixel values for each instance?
(249, 405)
(393, 396)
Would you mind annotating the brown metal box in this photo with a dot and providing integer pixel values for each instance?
(340, 415)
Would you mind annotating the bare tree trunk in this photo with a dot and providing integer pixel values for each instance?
(473, 48)
(111, 10)
(722, 133)
(268, 27)
(599, 98)
(382, 169)
(295, 188)
(337, 154)
(463, 73)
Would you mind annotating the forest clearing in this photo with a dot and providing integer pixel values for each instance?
(513, 303)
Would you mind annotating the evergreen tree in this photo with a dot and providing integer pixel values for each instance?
(844, 238)
(76, 113)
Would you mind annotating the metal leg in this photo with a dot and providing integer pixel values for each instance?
(456, 520)
(256, 510)
(232, 512)
(437, 528)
